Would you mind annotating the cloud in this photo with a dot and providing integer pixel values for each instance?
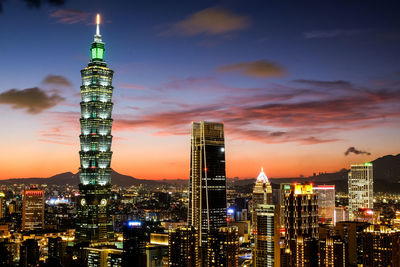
(275, 114)
(33, 100)
(57, 80)
(36, 3)
(333, 33)
(352, 149)
(210, 21)
(324, 83)
(70, 16)
(259, 68)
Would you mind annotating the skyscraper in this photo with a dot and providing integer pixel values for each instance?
(207, 184)
(333, 252)
(301, 216)
(33, 209)
(361, 192)
(94, 223)
(262, 194)
(267, 237)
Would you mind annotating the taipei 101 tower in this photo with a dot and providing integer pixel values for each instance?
(94, 226)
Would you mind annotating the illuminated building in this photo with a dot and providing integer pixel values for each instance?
(326, 203)
(29, 253)
(2, 205)
(381, 246)
(207, 184)
(104, 257)
(223, 247)
(284, 190)
(94, 224)
(33, 209)
(360, 183)
(306, 251)
(300, 217)
(366, 215)
(333, 252)
(267, 236)
(262, 194)
(183, 248)
(341, 214)
(351, 233)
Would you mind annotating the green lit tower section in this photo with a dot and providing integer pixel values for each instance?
(94, 224)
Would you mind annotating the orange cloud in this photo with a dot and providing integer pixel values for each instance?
(259, 68)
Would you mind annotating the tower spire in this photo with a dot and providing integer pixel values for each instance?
(98, 25)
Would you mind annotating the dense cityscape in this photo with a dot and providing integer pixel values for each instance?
(98, 217)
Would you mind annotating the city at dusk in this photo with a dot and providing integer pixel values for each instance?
(199, 133)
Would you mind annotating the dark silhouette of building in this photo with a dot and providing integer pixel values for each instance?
(134, 244)
(351, 234)
(306, 251)
(56, 251)
(29, 253)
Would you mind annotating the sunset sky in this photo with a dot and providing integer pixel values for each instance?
(296, 83)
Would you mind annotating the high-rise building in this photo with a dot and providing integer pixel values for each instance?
(267, 237)
(207, 184)
(326, 203)
(361, 192)
(262, 194)
(183, 247)
(283, 191)
(300, 215)
(33, 209)
(333, 252)
(223, 247)
(94, 223)
(381, 246)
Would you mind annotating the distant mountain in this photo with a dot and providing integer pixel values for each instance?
(73, 179)
(386, 178)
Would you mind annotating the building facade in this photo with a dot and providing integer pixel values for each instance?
(223, 247)
(267, 237)
(333, 252)
(326, 203)
(33, 209)
(300, 215)
(183, 247)
(94, 223)
(207, 184)
(361, 191)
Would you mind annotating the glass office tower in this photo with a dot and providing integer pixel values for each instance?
(207, 184)
(94, 223)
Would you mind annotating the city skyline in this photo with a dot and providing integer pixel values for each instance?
(294, 103)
